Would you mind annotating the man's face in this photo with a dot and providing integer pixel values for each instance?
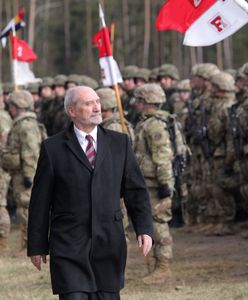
(87, 110)
(46, 92)
(198, 83)
(166, 82)
(13, 111)
(129, 84)
(139, 105)
(140, 82)
(59, 91)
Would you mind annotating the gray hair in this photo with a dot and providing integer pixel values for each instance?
(70, 98)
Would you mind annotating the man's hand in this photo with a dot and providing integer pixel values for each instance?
(36, 260)
(145, 242)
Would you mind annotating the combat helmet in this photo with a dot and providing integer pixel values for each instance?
(244, 69)
(153, 74)
(142, 73)
(88, 81)
(21, 99)
(60, 80)
(150, 93)
(183, 85)
(205, 70)
(168, 70)
(224, 81)
(74, 78)
(33, 88)
(8, 88)
(47, 81)
(107, 98)
(129, 72)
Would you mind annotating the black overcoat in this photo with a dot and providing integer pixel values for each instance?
(75, 214)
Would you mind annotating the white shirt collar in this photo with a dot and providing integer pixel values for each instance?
(81, 136)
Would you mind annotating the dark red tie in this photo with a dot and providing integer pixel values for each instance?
(90, 150)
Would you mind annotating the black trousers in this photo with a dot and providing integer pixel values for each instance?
(90, 296)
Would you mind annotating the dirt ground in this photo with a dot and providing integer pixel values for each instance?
(211, 268)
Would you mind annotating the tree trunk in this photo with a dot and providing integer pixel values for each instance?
(147, 24)
(173, 47)
(227, 49)
(193, 56)
(89, 38)
(8, 18)
(219, 58)
(126, 32)
(67, 34)
(31, 29)
(45, 44)
(199, 51)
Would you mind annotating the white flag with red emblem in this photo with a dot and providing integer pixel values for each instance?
(205, 22)
(110, 73)
(22, 55)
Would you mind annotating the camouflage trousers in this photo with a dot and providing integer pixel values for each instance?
(242, 167)
(161, 212)
(221, 204)
(22, 198)
(197, 193)
(4, 215)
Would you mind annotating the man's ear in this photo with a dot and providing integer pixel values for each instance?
(71, 110)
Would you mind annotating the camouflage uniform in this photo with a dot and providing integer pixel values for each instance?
(45, 102)
(198, 107)
(221, 208)
(155, 156)
(20, 155)
(241, 164)
(5, 125)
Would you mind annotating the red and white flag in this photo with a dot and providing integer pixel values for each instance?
(205, 22)
(110, 73)
(22, 55)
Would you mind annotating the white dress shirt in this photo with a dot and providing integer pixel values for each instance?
(81, 136)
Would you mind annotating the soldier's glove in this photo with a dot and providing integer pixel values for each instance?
(164, 191)
(27, 182)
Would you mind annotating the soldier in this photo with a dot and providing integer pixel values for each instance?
(195, 129)
(241, 143)
(5, 125)
(58, 116)
(168, 76)
(33, 88)
(110, 115)
(221, 207)
(155, 155)
(8, 88)
(20, 155)
(180, 105)
(47, 96)
(128, 101)
(153, 75)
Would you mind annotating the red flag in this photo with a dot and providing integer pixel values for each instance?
(102, 40)
(21, 51)
(180, 14)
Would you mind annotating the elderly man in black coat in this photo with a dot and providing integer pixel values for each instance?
(75, 214)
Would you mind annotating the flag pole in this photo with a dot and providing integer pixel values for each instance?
(113, 76)
(13, 64)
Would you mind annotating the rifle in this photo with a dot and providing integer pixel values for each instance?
(235, 130)
(201, 136)
(178, 165)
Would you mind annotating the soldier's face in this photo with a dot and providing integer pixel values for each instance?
(129, 84)
(12, 109)
(59, 91)
(139, 105)
(166, 82)
(46, 92)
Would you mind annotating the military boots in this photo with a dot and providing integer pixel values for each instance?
(161, 273)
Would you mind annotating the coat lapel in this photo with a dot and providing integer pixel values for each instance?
(102, 146)
(74, 146)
